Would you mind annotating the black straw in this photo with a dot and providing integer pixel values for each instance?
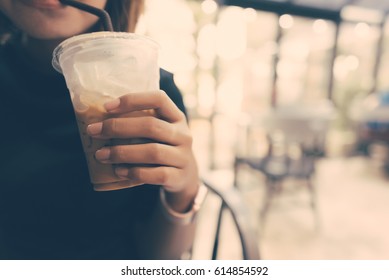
(102, 14)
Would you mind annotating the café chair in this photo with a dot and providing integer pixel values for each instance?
(277, 168)
(296, 136)
(231, 201)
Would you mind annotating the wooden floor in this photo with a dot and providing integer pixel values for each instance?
(353, 216)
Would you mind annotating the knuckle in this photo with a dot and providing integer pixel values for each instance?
(136, 174)
(152, 126)
(127, 100)
(109, 127)
(156, 153)
(186, 156)
(118, 154)
(161, 97)
(187, 138)
(182, 116)
(163, 176)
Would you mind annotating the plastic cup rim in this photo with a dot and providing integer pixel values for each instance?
(94, 35)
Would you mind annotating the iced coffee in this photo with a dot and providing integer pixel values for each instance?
(97, 68)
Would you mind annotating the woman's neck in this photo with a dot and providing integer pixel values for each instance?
(39, 52)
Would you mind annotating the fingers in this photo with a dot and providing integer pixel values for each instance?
(161, 175)
(158, 100)
(168, 161)
(117, 185)
(150, 153)
(140, 127)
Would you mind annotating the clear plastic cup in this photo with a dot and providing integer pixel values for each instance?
(99, 67)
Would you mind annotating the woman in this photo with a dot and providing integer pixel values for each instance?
(48, 209)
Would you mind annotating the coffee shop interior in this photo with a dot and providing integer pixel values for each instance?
(288, 102)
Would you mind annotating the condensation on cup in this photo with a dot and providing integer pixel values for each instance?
(99, 67)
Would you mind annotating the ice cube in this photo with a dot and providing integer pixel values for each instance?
(127, 69)
(86, 74)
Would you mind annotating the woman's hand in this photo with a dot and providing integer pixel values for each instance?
(168, 160)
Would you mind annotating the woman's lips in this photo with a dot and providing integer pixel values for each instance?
(43, 4)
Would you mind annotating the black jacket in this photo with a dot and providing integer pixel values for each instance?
(48, 209)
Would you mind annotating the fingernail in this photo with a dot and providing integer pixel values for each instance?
(103, 154)
(112, 105)
(121, 171)
(95, 128)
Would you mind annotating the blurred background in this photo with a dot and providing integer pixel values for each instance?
(287, 99)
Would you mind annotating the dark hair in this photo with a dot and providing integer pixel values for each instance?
(124, 15)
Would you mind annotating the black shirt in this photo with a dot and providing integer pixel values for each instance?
(48, 209)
